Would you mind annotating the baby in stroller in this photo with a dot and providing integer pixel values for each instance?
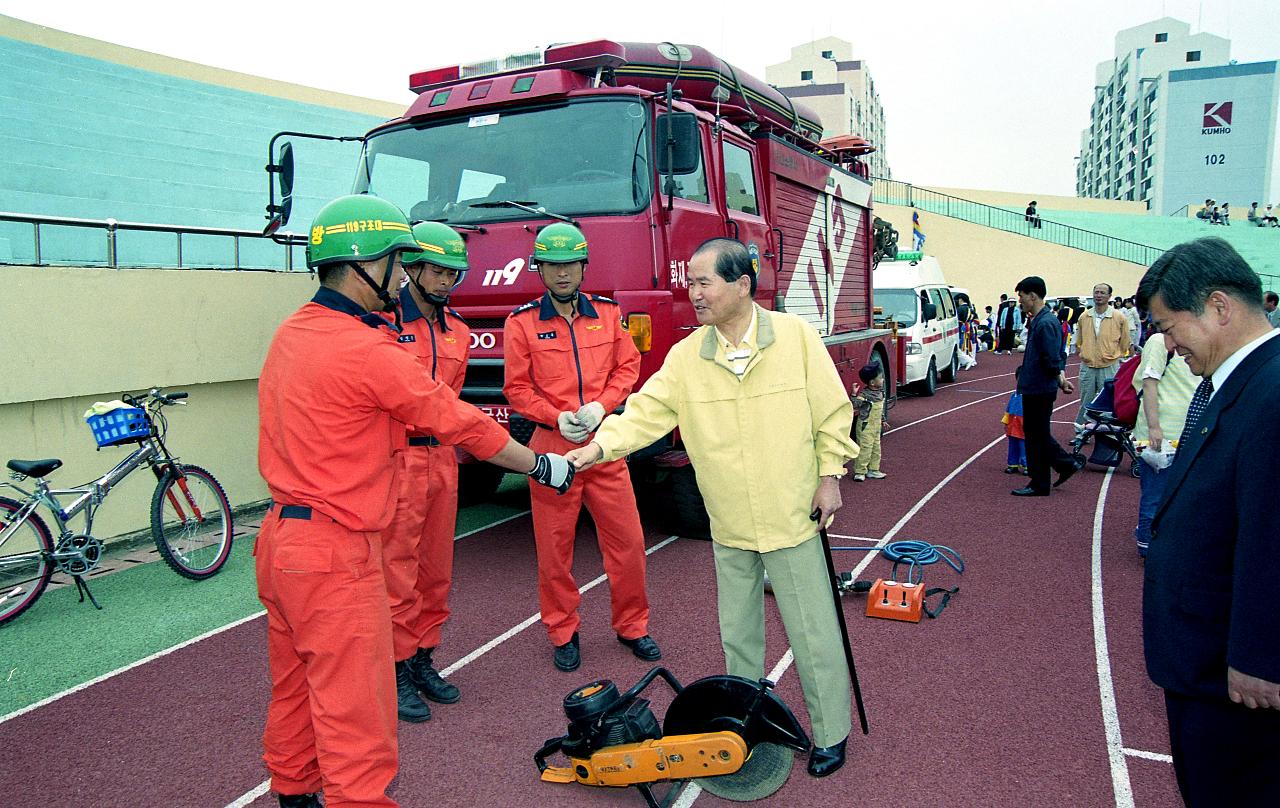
(1111, 437)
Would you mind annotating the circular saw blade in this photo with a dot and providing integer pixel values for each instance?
(763, 773)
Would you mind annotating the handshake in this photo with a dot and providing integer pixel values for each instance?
(578, 426)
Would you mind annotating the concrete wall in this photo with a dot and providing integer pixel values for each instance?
(73, 336)
(989, 262)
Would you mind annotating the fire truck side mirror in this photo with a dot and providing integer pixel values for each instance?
(282, 168)
(677, 143)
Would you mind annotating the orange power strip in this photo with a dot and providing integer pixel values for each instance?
(896, 601)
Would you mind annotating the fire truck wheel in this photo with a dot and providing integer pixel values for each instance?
(478, 482)
(692, 521)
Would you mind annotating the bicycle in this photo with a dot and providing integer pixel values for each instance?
(190, 515)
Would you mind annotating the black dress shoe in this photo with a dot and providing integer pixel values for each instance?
(567, 657)
(824, 760)
(1067, 474)
(300, 801)
(409, 705)
(643, 647)
(1029, 492)
(429, 681)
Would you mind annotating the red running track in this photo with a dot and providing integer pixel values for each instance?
(996, 703)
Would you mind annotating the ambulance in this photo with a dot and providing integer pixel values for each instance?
(912, 292)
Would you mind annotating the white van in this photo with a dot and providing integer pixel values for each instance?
(912, 291)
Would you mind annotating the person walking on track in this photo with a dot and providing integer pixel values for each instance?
(1210, 631)
(418, 551)
(570, 360)
(1041, 376)
(1103, 333)
(745, 373)
(333, 397)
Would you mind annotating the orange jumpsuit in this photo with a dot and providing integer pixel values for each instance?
(333, 398)
(552, 366)
(418, 551)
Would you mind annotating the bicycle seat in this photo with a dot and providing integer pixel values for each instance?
(34, 468)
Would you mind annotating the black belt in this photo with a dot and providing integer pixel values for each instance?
(302, 512)
(423, 440)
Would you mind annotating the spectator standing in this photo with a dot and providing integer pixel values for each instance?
(1009, 322)
(869, 422)
(1103, 334)
(1130, 311)
(1210, 632)
(1166, 384)
(1271, 304)
(1041, 377)
(1226, 213)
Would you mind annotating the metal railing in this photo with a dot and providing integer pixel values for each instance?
(892, 192)
(113, 228)
(1182, 211)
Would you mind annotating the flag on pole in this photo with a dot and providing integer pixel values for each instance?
(917, 231)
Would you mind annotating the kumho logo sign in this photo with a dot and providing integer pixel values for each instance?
(1217, 118)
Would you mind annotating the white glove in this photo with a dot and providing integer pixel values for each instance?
(571, 427)
(590, 415)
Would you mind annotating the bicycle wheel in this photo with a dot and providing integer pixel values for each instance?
(25, 567)
(191, 522)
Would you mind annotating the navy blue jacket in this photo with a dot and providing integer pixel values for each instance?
(1043, 359)
(1210, 594)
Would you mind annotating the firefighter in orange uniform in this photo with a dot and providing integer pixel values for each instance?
(418, 552)
(333, 398)
(569, 361)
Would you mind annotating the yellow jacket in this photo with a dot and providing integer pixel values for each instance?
(1109, 344)
(758, 444)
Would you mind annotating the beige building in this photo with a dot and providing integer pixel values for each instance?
(840, 89)
(1120, 155)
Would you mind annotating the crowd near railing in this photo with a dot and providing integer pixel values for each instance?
(123, 245)
(892, 192)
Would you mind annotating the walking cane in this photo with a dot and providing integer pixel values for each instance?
(844, 628)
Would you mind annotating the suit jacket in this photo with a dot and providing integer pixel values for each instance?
(1211, 594)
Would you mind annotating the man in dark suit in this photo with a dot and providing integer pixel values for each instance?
(1043, 374)
(1210, 612)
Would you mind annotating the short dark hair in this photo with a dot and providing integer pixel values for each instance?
(870, 372)
(1271, 297)
(1187, 274)
(333, 274)
(1104, 283)
(733, 260)
(1032, 284)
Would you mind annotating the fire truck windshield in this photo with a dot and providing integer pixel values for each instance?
(585, 157)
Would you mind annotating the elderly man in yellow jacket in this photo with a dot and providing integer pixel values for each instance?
(766, 421)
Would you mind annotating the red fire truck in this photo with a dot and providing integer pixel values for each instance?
(651, 149)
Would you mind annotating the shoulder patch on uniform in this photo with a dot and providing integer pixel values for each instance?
(603, 299)
(532, 304)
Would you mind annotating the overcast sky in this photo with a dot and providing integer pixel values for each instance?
(983, 94)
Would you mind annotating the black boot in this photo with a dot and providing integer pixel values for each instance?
(409, 705)
(567, 657)
(300, 801)
(825, 760)
(428, 680)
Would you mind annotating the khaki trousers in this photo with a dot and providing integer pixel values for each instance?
(803, 593)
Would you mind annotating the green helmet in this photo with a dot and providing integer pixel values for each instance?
(559, 243)
(357, 228)
(439, 244)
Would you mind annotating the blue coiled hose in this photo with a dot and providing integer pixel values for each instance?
(915, 554)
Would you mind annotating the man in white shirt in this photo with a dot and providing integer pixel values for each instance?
(1210, 630)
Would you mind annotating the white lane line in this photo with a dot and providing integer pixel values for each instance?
(265, 786)
(192, 641)
(130, 666)
(850, 538)
(962, 406)
(1145, 755)
(1106, 687)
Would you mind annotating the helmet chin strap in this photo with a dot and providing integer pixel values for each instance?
(436, 301)
(388, 302)
(563, 298)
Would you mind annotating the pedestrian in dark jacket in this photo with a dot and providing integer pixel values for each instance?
(1043, 375)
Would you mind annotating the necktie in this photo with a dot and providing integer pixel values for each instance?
(1198, 404)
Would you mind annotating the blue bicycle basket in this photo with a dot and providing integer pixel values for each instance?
(125, 425)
